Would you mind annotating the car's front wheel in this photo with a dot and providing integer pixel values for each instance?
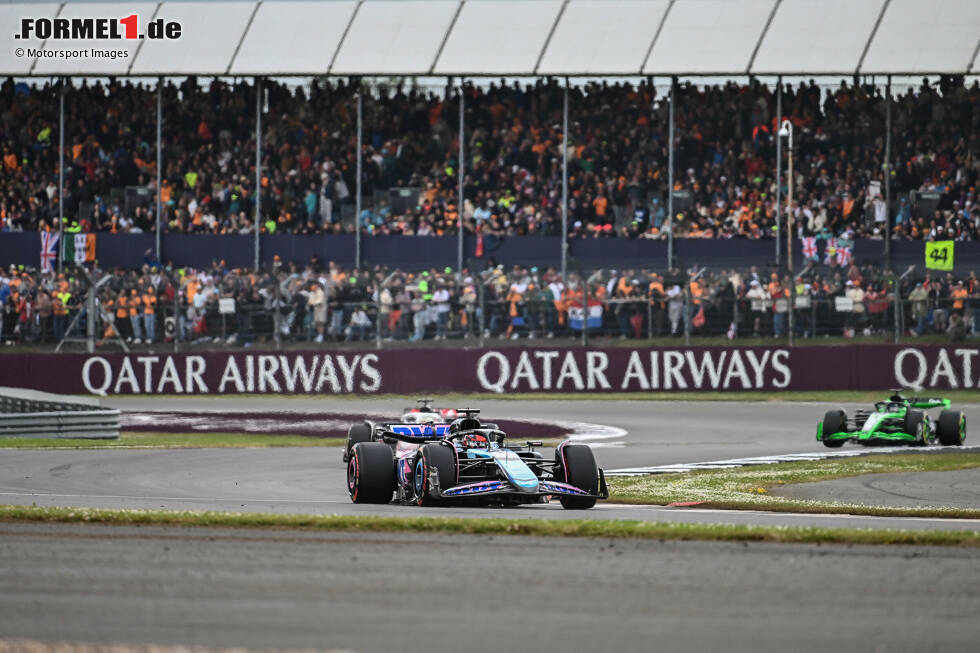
(834, 421)
(915, 425)
(575, 464)
(438, 457)
(951, 428)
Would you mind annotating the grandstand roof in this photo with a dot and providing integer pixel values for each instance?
(519, 37)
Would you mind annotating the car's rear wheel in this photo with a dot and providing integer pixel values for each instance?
(834, 421)
(915, 425)
(357, 433)
(439, 457)
(371, 473)
(951, 428)
(576, 465)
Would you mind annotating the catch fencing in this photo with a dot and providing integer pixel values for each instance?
(479, 322)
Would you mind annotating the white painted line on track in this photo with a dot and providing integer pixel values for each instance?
(595, 435)
(782, 458)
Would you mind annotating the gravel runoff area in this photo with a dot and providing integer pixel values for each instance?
(443, 594)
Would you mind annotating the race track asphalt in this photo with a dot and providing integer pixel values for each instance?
(313, 480)
(431, 593)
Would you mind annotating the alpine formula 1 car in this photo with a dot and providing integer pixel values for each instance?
(425, 413)
(465, 461)
(898, 420)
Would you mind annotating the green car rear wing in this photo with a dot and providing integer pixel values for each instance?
(929, 402)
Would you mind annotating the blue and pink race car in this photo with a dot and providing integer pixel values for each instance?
(465, 461)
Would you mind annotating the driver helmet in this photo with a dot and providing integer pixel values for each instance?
(475, 441)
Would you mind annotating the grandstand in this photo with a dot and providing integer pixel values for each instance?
(399, 134)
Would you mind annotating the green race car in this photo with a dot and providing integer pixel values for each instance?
(899, 420)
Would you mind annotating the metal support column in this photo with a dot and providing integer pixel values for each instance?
(461, 166)
(90, 308)
(61, 174)
(159, 216)
(670, 178)
(357, 183)
(564, 191)
(258, 167)
(887, 169)
(899, 313)
(789, 242)
(779, 161)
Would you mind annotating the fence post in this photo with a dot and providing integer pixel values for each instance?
(899, 318)
(178, 326)
(813, 318)
(585, 312)
(483, 310)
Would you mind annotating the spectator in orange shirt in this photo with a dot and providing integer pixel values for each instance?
(149, 314)
(959, 295)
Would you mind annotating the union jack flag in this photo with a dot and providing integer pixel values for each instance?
(830, 253)
(49, 250)
(810, 248)
(843, 256)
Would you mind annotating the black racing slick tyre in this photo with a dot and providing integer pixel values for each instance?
(915, 425)
(356, 433)
(440, 457)
(951, 428)
(575, 464)
(834, 421)
(371, 473)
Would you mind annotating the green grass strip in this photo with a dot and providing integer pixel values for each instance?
(139, 440)
(490, 526)
(748, 488)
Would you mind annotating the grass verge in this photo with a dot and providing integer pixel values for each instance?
(748, 488)
(490, 526)
(139, 440)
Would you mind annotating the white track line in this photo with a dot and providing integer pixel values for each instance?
(595, 435)
(783, 458)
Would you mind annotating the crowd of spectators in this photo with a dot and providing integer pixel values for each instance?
(316, 303)
(724, 159)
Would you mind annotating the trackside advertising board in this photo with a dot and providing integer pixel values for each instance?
(501, 371)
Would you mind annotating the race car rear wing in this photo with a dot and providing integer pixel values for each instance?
(929, 402)
(415, 433)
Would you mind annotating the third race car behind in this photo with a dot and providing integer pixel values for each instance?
(897, 420)
(465, 461)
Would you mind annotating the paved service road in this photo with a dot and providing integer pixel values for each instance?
(954, 489)
(444, 594)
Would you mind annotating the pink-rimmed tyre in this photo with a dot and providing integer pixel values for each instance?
(371, 473)
(575, 464)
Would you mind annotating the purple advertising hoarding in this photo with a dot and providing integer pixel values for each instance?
(502, 371)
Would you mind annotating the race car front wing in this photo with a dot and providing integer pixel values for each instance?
(498, 486)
